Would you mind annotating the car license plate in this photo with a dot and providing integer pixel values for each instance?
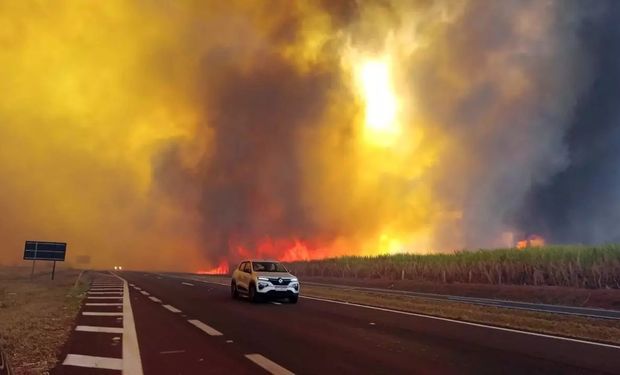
(280, 287)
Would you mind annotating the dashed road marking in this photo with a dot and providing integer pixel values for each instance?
(93, 362)
(205, 328)
(155, 299)
(145, 292)
(97, 313)
(172, 308)
(172, 352)
(99, 329)
(267, 364)
(188, 284)
(276, 303)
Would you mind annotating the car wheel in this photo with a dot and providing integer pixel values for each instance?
(293, 299)
(252, 293)
(233, 291)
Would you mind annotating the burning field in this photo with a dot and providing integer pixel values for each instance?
(188, 135)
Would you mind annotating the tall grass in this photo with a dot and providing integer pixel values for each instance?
(573, 266)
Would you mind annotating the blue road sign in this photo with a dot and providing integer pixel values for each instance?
(39, 250)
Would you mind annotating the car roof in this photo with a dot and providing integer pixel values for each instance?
(261, 260)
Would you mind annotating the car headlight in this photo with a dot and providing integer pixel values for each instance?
(263, 278)
(294, 280)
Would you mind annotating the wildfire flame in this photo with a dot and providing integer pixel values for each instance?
(534, 240)
(221, 269)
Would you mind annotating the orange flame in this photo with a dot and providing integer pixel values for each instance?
(534, 240)
(221, 269)
(287, 250)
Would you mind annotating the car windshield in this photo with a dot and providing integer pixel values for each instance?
(268, 267)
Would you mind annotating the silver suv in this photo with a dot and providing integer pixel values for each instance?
(264, 279)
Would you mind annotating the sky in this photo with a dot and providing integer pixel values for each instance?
(184, 135)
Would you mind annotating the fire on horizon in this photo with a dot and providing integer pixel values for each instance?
(187, 135)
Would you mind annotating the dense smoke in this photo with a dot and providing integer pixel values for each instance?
(581, 203)
(180, 135)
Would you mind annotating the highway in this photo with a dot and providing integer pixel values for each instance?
(184, 326)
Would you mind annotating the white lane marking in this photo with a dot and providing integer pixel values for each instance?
(188, 284)
(118, 290)
(93, 362)
(132, 364)
(172, 308)
(205, 328)
(172, 351)
(276, 303)
(192, 279)
(119, 297)
(145, 292)
(104, 304)
(132, 285)
(372, 323)
(466, 323)
(99, 329)
(106, 286)
(154, 299)
(97, 313)
(105, 292)
(229, 341)
(267, 364)
(136, 288)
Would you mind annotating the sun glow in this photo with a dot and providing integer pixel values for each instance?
(375, 81)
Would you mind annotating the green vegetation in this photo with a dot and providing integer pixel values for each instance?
(572, 266)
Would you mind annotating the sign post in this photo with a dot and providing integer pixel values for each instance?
(40, 250)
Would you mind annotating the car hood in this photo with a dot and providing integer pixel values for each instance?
(284, 275)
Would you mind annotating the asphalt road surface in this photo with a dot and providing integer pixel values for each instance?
(185, 326)
(541, 307)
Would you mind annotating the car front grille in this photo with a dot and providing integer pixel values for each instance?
(276, 281)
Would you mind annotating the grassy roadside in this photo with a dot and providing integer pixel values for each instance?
(562, 325)
(36, 316)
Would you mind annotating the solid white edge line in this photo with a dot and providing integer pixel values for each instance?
(205, 328)
(443, 319)
(93, 362)
(132, 363)
(466, 323)
(171, 308)
(267, 364)
(99, 329)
